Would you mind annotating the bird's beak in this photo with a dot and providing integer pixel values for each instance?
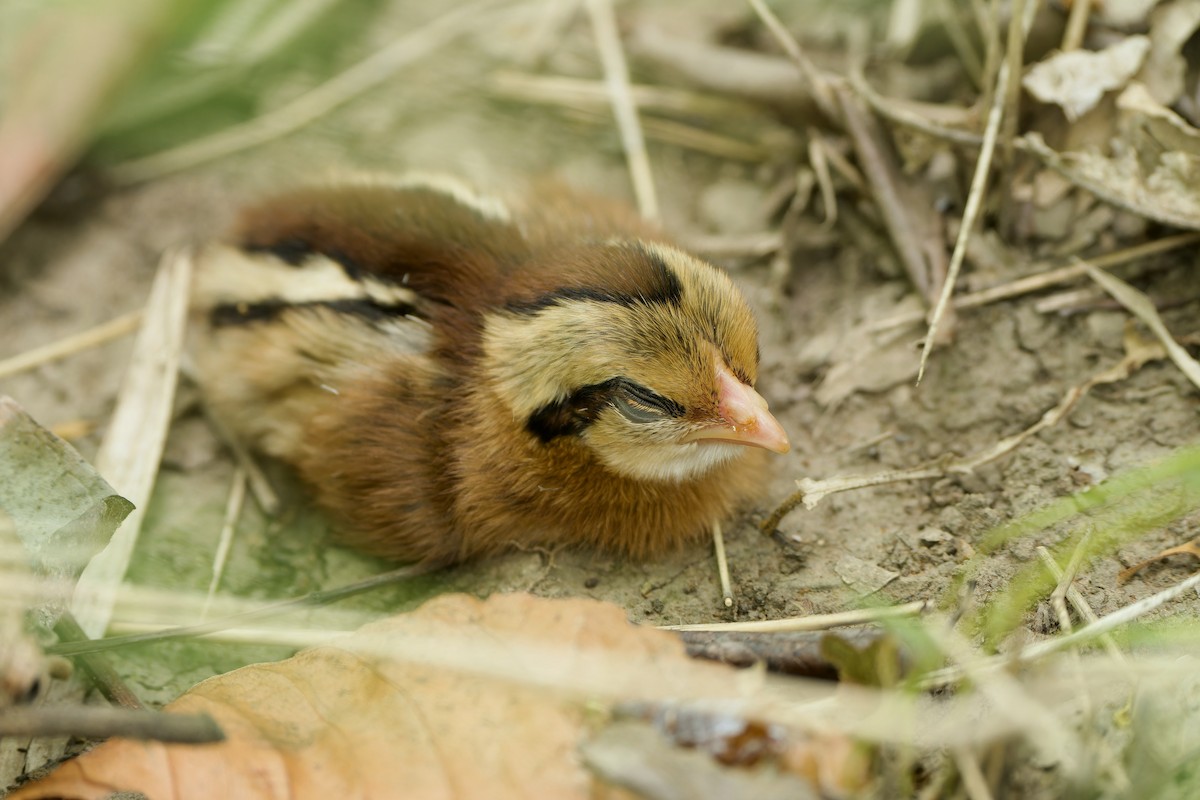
(744, 417)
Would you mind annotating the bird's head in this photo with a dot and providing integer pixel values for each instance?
(636, 350)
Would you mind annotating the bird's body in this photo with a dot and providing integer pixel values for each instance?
(453, 377)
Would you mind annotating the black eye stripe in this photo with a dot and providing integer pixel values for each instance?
(572, 415)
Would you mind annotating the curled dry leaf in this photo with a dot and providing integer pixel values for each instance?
(462, 698)
(1077, 80)
(59, 507)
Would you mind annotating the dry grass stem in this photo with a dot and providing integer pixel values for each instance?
(233, 511)
(1084, 635)
(820, 165)
(960, 40)
(735, 245)
(882, 176)
(983, 168)
(1010, 90)
(815, 622)
(75, 343)
(582, 92)
(307, 108)
(974, 783)
(616, 76)
(129, 455)
(1081, 605)
(260, 485)
(722, 564)
(817, 83)
(1077, 23)
(1143, 308)
(1054, 276)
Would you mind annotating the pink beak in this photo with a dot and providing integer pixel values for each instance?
(744, 417)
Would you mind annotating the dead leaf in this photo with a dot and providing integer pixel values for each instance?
(60, 508)
(380, 709)
(1168, 194)
(1076, 80)
(1165, 69)
(1191, 548)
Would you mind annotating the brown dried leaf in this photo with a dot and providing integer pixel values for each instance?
(461, 699)
(1191, 548)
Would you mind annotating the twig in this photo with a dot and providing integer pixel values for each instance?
(1081, 605)
(1143, 308)
(722, 564)
(972, 776)
(956, 32)
(817, 83)
(735, 245)
(98, 669)
(970, 214)
(796, 653)
(1051, 277)
(132, 447)
(77, 342)
(1076, 25)
(1010, 91)
(260, 485)
(616, 76)
(820, 165)
(233, 510)
(881, 175)
(311, 106)
(1066, 580)
(92, 722)
(815, 622)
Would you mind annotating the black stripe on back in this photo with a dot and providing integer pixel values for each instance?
(268, 310)
(294, 251)
(661, 287)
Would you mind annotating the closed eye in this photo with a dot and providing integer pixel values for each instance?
(639, 404)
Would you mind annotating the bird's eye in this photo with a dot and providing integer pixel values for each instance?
(635, 411)
(639, 404)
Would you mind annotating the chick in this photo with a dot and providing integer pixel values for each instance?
(452, 375)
